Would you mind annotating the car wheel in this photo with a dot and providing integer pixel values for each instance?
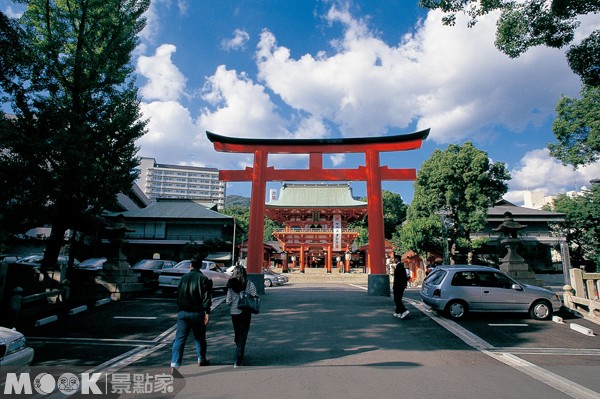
(540, 310)
(457, 310)
(268, 283)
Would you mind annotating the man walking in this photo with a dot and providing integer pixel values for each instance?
(400, 282)
(194, 299)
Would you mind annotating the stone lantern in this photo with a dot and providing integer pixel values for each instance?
(513, 264)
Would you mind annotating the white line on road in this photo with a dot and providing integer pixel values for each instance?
(508, 325)
(557, 382)
(136, 317)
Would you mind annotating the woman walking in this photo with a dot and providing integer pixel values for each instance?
(240, 319)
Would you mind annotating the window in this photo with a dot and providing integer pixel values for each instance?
(436, 277)
(465, 279)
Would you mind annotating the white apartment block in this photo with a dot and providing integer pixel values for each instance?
(537, 199)
(175, 181)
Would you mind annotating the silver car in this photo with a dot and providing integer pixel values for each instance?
(458, 290)
(168, 279)
(14, 351)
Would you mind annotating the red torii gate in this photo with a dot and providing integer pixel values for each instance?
(372, 173)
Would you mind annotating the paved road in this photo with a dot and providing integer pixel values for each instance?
(335, 341)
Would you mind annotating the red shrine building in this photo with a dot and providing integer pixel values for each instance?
(315, 219)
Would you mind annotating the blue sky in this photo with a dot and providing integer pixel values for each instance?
(317, 69)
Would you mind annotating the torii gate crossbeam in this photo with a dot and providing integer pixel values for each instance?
(373, 173)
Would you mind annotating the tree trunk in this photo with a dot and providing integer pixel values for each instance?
(55, 243)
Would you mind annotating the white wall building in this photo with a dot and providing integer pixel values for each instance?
(537, 199)
(175, 181)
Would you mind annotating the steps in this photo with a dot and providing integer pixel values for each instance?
(321, 276)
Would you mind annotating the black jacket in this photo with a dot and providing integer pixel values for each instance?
(400, 277)
(194, 292)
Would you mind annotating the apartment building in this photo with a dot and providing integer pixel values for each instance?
(175, 181)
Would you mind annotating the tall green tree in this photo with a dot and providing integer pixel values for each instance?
(530, 23)
(76, 113)
(581, 226)
(459, 183)
(577, 128)
(394, 213)
(420, 235)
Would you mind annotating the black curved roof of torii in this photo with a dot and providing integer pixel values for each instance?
(420, 135)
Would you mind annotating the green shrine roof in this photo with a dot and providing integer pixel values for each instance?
(315, 196)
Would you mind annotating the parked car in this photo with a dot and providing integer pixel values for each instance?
(149, 270)
(14, 351)
(36, 260)
(280, 279)
(92, 264)
(460, 289)
(168, 279)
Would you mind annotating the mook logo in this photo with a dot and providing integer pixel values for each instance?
(45, 384)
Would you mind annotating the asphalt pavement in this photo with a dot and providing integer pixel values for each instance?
(335, 341)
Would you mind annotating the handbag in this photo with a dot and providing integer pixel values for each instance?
(249, 303)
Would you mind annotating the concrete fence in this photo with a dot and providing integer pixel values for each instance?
(582, 295)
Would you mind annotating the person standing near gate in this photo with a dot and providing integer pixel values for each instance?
(239, 318)
(400, 282)
(194, 299)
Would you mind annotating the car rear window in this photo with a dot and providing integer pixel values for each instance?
(436, 277)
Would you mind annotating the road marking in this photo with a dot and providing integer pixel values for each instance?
(557, 382)
(508, 325)
(147, 348)
(136, 317)
(94, 341)
(550, 351)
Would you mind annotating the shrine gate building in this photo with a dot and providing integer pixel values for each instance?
(315, 219)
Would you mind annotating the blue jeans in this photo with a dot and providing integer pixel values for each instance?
(187, 321)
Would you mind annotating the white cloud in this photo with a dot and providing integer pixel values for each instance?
(538, 171)
(165, 81)
(237, 42)
(170, 127)
(239, 107)
(11, 13)
(183, 6)
(451, 79)
(337, 159)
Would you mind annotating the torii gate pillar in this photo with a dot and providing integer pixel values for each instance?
(372, 173)
(379, 280)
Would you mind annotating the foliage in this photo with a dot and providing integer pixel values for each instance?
(236, 200)
(577, 128)
(394, 213)
(581, 226)
(69, 149)
(241, 214)
(421, 235)
(363, 233)
(242, 219)
(460, 184)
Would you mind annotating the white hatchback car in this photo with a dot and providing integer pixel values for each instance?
(14, 351)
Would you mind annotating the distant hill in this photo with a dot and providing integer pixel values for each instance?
(236, 200)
